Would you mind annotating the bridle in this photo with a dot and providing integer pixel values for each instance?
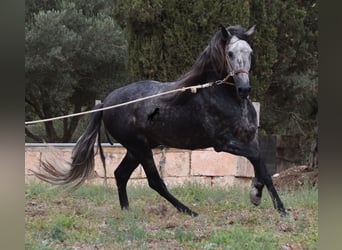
(232, 72)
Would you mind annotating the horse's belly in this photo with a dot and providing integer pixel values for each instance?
(178, 135)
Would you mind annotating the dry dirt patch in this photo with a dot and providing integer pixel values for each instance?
(294, 178)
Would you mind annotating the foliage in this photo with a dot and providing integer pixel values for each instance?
(227, 219)
(68, 65)
(290, 102)
(264, 14)
(165, 36)
(75, 52)
(289, 79)
(298, 107)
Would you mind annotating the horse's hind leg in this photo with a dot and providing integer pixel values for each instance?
(122, 174)
(145, 157)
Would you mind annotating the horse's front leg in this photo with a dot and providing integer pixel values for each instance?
(261, 175)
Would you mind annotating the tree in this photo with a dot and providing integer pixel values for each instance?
(292, 94)
(264, 14)
(75, 53)
(165, 36)
(286, 70)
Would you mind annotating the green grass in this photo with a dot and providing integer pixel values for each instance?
(241, 238)
(91, 218)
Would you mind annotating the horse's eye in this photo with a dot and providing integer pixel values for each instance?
(230, 54)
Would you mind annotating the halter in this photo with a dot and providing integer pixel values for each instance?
(231, 73)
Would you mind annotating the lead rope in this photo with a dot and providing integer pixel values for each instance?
(193, 89)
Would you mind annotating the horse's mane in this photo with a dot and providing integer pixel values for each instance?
(239, 32)
(211, 64)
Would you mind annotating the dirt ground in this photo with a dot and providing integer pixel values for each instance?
(56, 222)
(293, 178)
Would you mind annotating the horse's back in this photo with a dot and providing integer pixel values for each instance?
(127, 120)
(133, 91)
(155, 120)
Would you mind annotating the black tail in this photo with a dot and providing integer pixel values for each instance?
(82, 165)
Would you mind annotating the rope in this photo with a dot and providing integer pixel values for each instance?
(192, 88)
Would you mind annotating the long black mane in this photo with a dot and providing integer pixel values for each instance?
(239, 32)
(211, 64)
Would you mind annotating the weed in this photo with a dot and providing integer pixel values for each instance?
(238, 237)
(98, 194)
(125, 228)
(91, 217)
(43, 190)
(59, 226)
(183, 235)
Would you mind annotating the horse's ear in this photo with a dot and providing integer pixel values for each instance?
(225, 32)
(250, 31)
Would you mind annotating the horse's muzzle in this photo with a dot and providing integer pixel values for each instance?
(243, 92)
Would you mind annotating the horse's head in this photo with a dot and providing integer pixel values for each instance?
(238, 57)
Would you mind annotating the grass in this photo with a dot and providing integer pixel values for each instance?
(91, 218)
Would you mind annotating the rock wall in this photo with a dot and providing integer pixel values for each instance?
(175, 166)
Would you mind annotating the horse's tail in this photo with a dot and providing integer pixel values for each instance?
(82, 164)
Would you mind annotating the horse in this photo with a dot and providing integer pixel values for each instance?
(220, 116)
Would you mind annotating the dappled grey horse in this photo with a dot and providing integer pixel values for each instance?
(219, 116)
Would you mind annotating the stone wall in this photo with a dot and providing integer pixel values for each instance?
(204, 166)
(179, 166)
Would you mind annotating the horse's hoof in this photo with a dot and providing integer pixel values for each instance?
(189, 212)
(253, 195)
(282, 212)
(194, 214)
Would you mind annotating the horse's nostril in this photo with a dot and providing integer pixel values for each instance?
(244, 92)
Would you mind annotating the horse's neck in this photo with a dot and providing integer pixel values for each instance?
(195, 79)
